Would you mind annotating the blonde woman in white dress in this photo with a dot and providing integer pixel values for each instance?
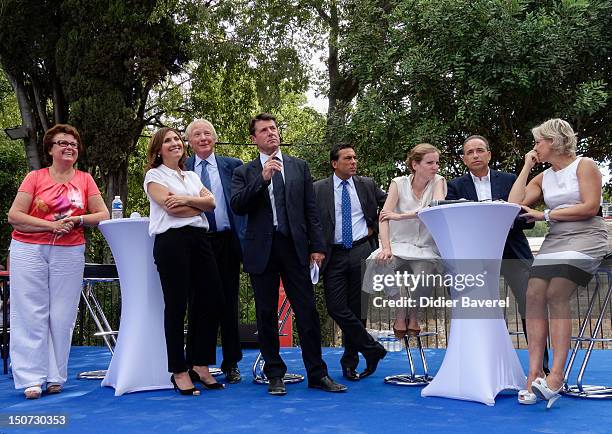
(570, 254)
(406, 244)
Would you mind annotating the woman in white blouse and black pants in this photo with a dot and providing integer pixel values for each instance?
(184, 260)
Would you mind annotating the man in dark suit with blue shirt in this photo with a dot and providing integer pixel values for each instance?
(225, 233)
(283, 237)
(349, 207)
(482, 183)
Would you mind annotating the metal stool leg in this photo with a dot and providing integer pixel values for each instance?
(104, 329)
(258, 367)
(412, 378)
(589, 391)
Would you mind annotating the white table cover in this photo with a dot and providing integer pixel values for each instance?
(480, 360)
(140, 361)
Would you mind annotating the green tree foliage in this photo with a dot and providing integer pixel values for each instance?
(451, 68)
(93, 63)
(13, 165)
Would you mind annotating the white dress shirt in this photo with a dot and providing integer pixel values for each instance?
(183, 184)
(263, 158)
(358, 222)
(483, 186)
(221, 216)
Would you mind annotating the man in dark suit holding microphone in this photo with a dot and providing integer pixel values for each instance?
(482, 183)
(283, 236)
(225, 232)
(349, 207)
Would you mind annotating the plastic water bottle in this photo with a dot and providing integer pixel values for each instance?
(117, 208)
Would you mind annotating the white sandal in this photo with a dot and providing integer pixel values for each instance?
(541, 389)
(526, 397)
(33, 392)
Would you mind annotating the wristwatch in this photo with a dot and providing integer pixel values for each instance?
(547, 216)
(81, 220)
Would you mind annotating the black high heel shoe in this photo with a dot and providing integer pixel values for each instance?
(193, 391)
(195, 378)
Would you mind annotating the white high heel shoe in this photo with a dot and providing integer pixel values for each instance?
(525, 397)
(542, 391)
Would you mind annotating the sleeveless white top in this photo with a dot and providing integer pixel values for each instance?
(561, 188)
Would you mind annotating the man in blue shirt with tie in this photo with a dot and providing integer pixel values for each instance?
(225, 233)
(349, 206)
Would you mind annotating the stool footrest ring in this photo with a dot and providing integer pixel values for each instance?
(425, 334)
(408, 380)
(588, 392)
(92, 375)
(585, 339)
(288, 379)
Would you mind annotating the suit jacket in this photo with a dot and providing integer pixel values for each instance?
(371, 198)
(226, 167)
(250, 197)
(463, 187)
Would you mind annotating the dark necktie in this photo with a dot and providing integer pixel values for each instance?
(347, 225)
(278, 188)
(210, 215)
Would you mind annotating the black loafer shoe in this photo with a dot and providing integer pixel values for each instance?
(276, 386)
(350, 374)
(372, 364)
(328, 385)
(232, 375)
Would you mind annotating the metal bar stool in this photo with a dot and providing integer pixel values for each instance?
(412, 378)
(4, 343)
(284, 313)
(98, 273)
(580, 390)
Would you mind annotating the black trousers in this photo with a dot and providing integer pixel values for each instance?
(342, 282)
(516, 273)
(228, 264)
(284, 263)
(190, 282)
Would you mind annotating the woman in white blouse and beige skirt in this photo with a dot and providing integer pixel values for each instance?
(185, 261)
(570, 254)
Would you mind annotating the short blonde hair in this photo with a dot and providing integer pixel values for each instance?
(560, 132)
(200, 121)
(416, 154)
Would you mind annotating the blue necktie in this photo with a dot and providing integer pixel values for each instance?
(210, 215)
(347, 225)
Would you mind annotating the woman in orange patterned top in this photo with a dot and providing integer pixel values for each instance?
(47, 261)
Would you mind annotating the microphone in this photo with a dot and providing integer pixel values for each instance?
(448, 202)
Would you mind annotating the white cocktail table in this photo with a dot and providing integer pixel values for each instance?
(480, 360)
(140, 361)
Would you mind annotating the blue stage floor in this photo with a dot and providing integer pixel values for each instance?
(369, 406)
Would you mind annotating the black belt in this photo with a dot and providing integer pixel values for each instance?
(355, 244)
(219, 234)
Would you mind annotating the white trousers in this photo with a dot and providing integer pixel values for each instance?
(46, 283)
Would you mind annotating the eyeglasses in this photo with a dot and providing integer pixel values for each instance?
(65, 144)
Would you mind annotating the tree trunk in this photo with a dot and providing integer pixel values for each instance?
(60, 107)
(28, 121)
(116, 184)
(342, 85)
